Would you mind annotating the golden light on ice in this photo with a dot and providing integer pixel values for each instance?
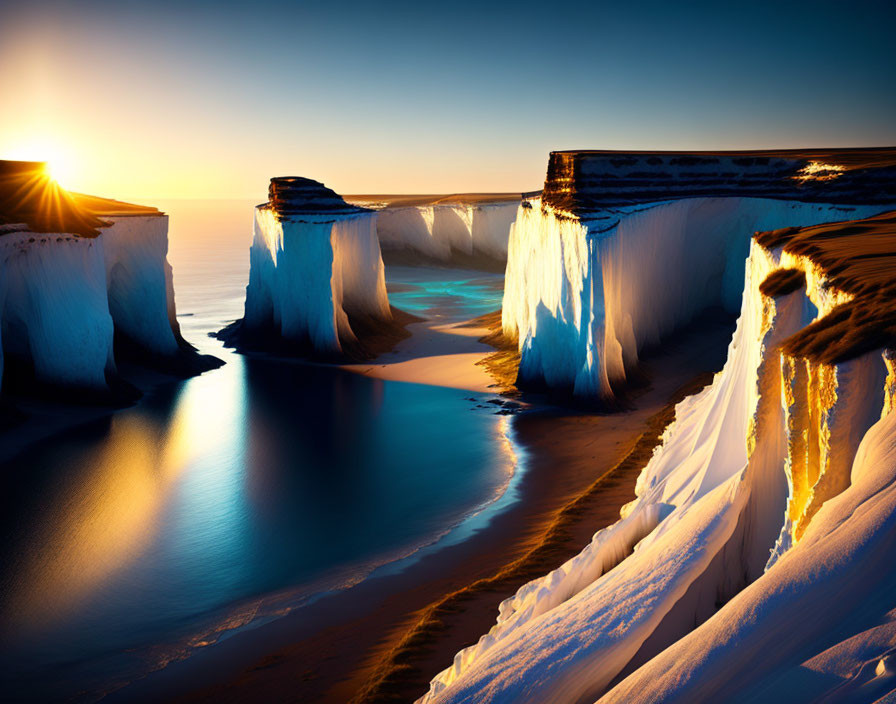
(819, 171)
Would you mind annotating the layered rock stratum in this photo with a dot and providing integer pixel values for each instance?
(317, 285)
(624, 248)
(755, 563)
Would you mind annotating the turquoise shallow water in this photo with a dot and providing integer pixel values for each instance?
(447, 295)
(227, 499)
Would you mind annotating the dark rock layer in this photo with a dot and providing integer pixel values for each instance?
(582, 181)
(859, 258)
(297, 195)
(30, 197)
(782, 282)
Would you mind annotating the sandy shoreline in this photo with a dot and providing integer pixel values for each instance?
(387, 636)
(439, 355)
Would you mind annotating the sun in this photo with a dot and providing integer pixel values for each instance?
(60, 165)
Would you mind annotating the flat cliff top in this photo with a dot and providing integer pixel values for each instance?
(580, 181)
(29, 197)
(109, 207)
(858, 258)
(387, 200)
(848, 157)
(297, 195)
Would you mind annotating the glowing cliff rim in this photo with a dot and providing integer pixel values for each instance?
(59, 169)
(818, 171)
(59, 163)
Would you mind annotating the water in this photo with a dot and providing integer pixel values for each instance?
(229, 499)
(444, 295)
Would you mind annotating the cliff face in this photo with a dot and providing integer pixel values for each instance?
(624, 248)
(83, 279)
(316, 271)
(466, 229)
(758, 548)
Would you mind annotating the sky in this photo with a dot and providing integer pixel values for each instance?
(162, 99)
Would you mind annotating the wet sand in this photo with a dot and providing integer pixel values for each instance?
(439, 355)
(385, 638)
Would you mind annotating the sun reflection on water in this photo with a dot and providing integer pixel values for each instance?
(233, 497)
(103, 524)
(113, 510)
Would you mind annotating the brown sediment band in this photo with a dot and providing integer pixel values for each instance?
(581, 181)
(782, 281)
(407, 200)
(31, 198)
(858, 257)
(296, 194)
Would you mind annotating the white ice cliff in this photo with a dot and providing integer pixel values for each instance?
(755, 563)
(622, 249)
(79, 278)
(315, 269)
(470, 227)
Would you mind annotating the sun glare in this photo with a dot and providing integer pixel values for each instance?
(59, 165)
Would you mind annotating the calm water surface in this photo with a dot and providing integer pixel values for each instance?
(228, 499)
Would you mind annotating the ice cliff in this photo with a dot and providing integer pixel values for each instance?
(452, 229)
(316, 273)
(623, 248)
(755, 563)
(83, 280)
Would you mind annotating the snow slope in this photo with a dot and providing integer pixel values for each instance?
(766, 515)
(314, 264)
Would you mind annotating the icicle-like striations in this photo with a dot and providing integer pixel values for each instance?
(584, 295)
(55, 309)
(315, 263)
(83, 279)
(141, 293)
(441, 230)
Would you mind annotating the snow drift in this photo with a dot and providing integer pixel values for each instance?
(767, 514)
(623, 249)
(81, 279)
(315, 267)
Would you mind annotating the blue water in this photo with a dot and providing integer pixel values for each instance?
(444, 295)
(230, 498)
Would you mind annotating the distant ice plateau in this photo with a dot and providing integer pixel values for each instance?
(470, 230)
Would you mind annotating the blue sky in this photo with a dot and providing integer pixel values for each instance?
(211, 99)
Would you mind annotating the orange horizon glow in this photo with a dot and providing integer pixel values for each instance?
(139, 103)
